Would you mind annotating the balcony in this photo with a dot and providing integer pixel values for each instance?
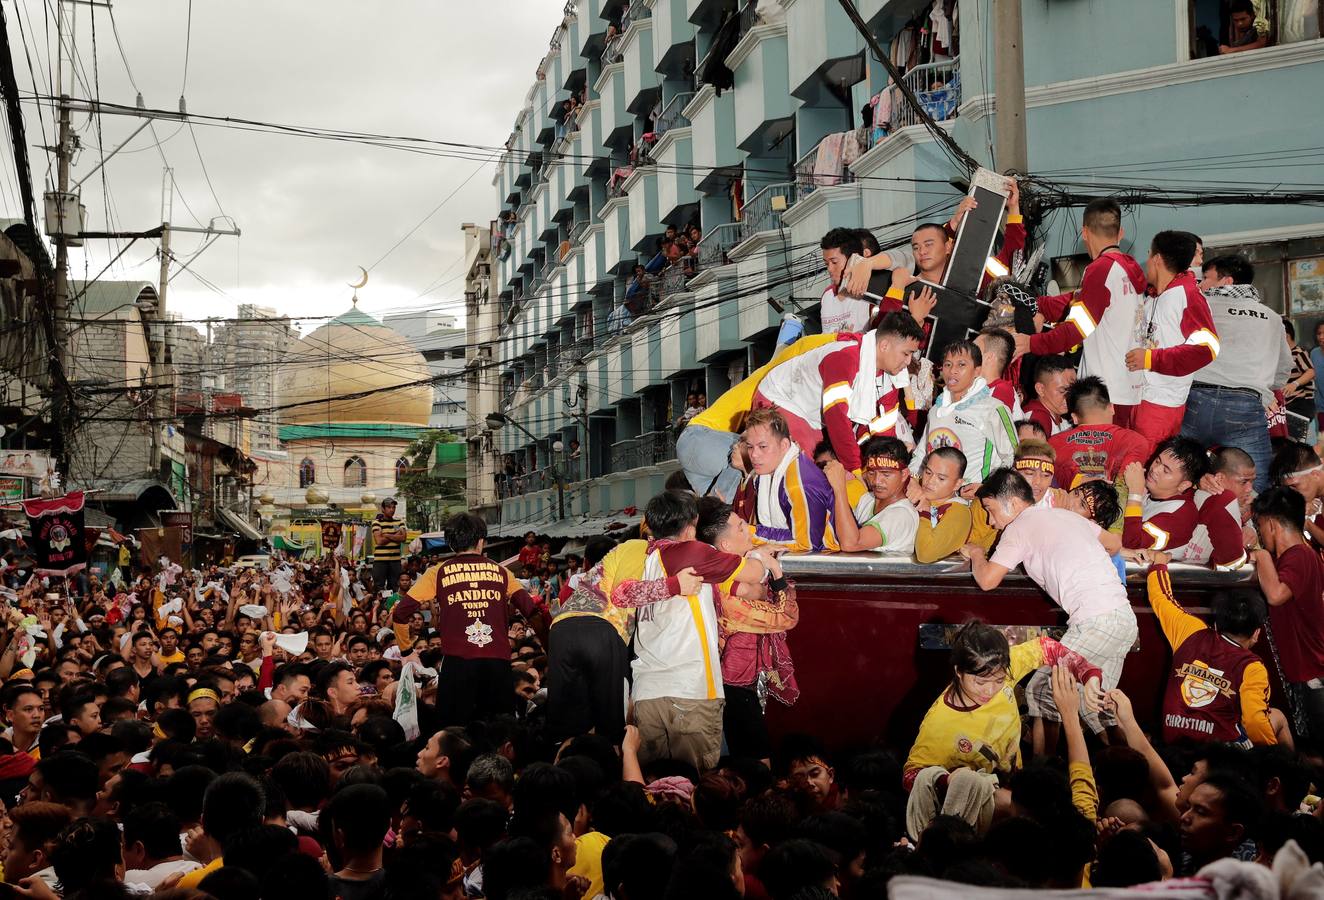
(826, 52)
(656, 447)
(674, 154)
(673, 114)
(545, 275)
(716, 158)
(617, 125)
(578, 229)
(810, 175)
(642, 83)
(715, 244)
(941, 102)
(591, 26)
(636, 12)
(613, 51)
(645, 225)
(765, 113)
(672, 279)
(673, 39)
(625, 455)
(763, 211)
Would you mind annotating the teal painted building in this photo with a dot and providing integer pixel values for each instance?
(1121, 97)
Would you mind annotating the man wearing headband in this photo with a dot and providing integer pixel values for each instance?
(203, 704)
(1297, 466)
(1160, 509)
(883, 519)
(1095, 448)
(1035, 461)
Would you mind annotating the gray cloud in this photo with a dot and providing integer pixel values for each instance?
(310, 211)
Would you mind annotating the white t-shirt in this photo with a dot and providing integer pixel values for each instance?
(1062, 554)
(840, 313)
(676, 652)
(897, 523)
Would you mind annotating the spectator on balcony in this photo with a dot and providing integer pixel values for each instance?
(659, 260)
(790, 500)
(695, 234)
(1247, 29)
(638, 283)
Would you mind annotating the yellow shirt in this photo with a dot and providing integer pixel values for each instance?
(986, 739)
(192, 879)
(176, 657)
(624, 563)
(588, 860)
(939, 541)
(728, 410)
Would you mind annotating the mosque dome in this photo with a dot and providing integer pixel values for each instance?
(352, 354)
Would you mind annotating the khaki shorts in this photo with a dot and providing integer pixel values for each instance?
(686, 730)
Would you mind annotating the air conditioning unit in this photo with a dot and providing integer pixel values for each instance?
(64, 217)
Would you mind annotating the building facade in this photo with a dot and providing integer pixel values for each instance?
(482, 326)
(746, 120)
(247, 351)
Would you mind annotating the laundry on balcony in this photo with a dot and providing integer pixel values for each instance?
(830, 161)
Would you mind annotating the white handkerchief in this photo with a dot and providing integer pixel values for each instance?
(253, 610)
(294, 644)
(172, 606)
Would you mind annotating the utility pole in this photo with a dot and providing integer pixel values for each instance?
(1009, 147)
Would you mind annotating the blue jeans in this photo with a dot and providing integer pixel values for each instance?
(1228, 417)
(703, 453)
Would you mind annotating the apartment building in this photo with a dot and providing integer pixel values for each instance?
(750, 129)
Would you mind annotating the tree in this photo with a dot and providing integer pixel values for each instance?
(430, 495)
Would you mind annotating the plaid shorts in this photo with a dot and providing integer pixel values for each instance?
(1104, 640)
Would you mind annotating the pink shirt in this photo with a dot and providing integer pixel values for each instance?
(1062, 554)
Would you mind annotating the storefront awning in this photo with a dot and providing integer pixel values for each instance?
(240, 524)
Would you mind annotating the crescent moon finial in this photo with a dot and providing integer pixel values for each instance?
(364, 281)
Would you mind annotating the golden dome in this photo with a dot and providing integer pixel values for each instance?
(353, 354)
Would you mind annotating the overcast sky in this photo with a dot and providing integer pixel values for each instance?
(310, 211)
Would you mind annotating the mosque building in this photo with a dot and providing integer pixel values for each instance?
(352, 396)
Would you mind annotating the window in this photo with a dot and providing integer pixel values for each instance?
(307, 472)
(1219, 28)
(401, 469)
(356, 472)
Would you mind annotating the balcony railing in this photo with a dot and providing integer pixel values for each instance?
(612, 52)
(547, 270)
(656, 447)
(578, 230)
(637, 12)
(672, 279)
(673, 115)
(811, 175)
(625, 455)
(761, 212)
(937, 86)
(714, 245)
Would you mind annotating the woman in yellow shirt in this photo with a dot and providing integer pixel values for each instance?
(972, 732)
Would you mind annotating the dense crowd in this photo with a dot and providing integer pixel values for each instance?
(539, 724)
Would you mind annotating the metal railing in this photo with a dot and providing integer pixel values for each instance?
(672, 116)
(637, 12)
(760, 212)
(612, 52)
(547, 270)
(807, 180)
(671, 280)
(714, 245)
(656, 446)
(578, 229)
(625, 455)
(937, 86)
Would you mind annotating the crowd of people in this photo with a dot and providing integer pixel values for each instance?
(533, 724)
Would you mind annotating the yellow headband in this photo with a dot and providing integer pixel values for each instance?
(881, 462)
(157, 732)
(204, 694)
(1030, 465)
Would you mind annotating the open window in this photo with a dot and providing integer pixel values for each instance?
(1227, 27)
(307, 472)
(356, 472)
